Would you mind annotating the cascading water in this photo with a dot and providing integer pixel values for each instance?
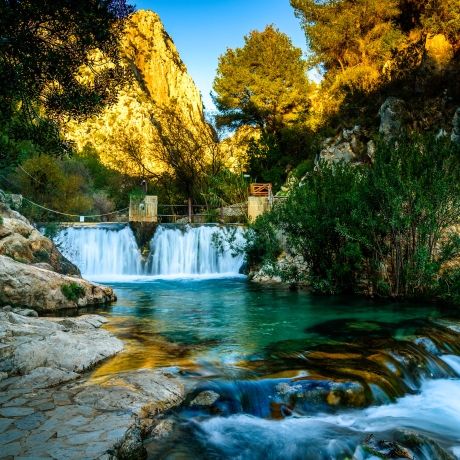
(100, 251)
(203, 250)
(191, 251)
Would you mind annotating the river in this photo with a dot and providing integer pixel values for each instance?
(273, 373)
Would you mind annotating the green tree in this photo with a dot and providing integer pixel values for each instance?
(274, 155)
(264, 83)
(43, 46)
(388, 229)
(351, 39)
(59, 185)
(431, 16)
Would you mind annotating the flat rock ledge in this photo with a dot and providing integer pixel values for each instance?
(47, 291)
(50, 409)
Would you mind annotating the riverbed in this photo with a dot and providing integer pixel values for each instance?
(271, 373)
(296, 376)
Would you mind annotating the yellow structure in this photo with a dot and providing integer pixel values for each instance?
(257, 205)
(143, 209)
(260, 200)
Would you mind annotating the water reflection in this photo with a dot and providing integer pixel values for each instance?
(222, 325)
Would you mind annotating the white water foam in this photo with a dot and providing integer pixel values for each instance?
(105, 254)
(101, 251)
(435, 412)
(203, 250)
(453, 362)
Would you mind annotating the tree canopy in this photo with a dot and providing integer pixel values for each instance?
(43, 47)
(352, 39)
(264, 83)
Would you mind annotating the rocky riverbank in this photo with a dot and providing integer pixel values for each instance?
(49, 405)
(33, 272)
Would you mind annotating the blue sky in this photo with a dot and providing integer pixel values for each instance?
(203, 29)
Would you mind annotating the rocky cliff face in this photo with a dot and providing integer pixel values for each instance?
(125, 133)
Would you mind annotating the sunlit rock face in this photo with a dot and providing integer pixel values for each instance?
(161, 82)
(151, 50)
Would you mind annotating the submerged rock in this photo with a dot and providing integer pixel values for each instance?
(276, 398)
(205, 398)
(405, 444)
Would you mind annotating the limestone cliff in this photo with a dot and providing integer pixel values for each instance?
(126, 133)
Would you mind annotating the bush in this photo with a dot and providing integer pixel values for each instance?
(73, 291)
(383, 229)
(51, 229)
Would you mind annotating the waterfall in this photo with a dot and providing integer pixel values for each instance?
(100, 251)
(104, 251)
(203, 250)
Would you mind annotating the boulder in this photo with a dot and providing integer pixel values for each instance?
(51, 351)
(146, 392)
(24, 243)
(205, 398)
(131, 446)
(46, 291)
(349, 145)
(392, 114)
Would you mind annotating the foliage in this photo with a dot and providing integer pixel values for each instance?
(51, 229)
(43, 47)
(225, 188)
(432, 16)
(189, 155)
(274, 155)
(263, 83)
(110, 187)
(56, 184)
(368, 50)
(73, 291)
(385, 229)
(351, 39)
(262, 239)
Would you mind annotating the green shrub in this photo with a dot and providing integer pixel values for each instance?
(51, 229)
(73, 291)
(381, 229)
(303, 168)
(42, 255)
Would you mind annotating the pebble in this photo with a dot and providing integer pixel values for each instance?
(10, 450)
(16, 411)
(31, 422)
(9, 436)
(5, 423)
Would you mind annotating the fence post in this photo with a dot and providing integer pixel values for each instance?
(189, 210)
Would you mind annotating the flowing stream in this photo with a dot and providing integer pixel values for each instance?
(271, 373)
(107, 252)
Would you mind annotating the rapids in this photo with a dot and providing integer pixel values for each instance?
(280, 374)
